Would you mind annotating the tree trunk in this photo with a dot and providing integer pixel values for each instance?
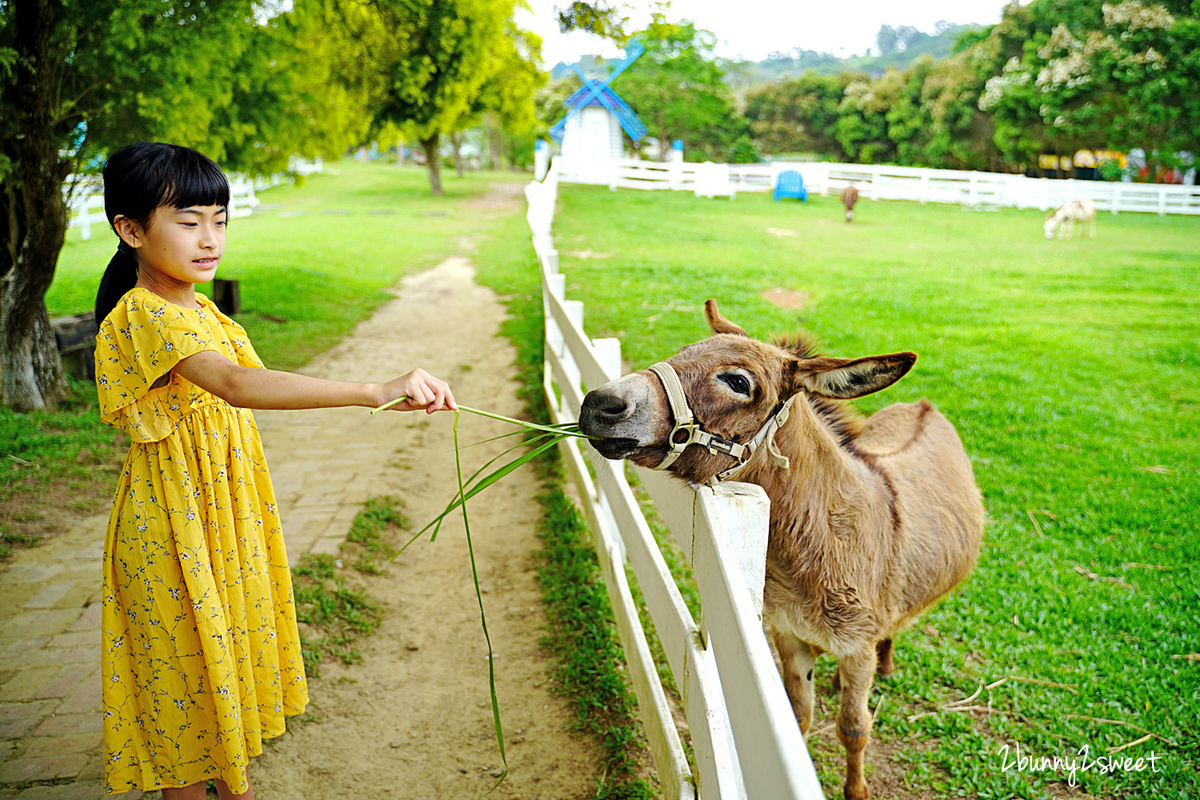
(430, 146)
(456, 139)
(33, 218)
(495, 142)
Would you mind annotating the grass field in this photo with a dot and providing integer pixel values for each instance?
(1072, 371)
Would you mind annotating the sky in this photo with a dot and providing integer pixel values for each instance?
(752, 29)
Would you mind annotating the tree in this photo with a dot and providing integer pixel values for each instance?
(798, 115)
(601, 18)
(299, 87)
(80, 78)
(862, 120)
(676, 87)
(440, 59)
(75, 74)
(507, 98)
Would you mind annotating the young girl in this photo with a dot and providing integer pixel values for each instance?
(201, 655)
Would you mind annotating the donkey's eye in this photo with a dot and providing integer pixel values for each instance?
(736, 382)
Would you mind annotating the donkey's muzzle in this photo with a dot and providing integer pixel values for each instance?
(605, 418)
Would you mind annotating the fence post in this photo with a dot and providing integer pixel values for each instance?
(745, 515)
(608, 353)
(541, 159)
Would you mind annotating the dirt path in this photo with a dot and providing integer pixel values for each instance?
(413, 718)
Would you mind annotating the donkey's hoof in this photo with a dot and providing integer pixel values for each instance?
(857, 792)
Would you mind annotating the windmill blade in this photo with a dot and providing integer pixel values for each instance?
(632, 50)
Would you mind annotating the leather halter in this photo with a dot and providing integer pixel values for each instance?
(686, 421)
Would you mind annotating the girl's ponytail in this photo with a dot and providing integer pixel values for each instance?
(120, 276)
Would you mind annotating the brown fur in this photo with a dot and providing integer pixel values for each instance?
(874, 520)
(849, 198)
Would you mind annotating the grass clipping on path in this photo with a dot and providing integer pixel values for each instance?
(535, 440)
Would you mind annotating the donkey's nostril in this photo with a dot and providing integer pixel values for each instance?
(609, 408)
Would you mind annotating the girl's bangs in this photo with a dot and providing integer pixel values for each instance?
(194, 180)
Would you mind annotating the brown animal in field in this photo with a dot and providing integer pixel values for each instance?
(872, 520)
(849, 198)
(1062, 220)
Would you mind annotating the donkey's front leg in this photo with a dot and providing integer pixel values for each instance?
(854, 718)
(797, 659)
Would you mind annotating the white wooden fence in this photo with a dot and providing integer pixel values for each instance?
(87, 201)
(971, 189)
(745, 740)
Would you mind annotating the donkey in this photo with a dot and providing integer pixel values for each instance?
(849, 198)
(872, 520)
(1062, 220)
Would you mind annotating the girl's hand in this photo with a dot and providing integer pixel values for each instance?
(422, 390)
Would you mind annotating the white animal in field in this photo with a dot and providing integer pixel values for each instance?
(1062, 221)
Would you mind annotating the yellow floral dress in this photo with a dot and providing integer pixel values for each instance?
(201, 657)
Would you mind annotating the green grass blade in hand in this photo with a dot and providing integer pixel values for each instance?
(482, 615)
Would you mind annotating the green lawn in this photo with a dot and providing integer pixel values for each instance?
(1071, 370)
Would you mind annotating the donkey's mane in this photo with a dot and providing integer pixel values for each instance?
(843, 421)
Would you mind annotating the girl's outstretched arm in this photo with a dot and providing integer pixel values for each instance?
(250, 387)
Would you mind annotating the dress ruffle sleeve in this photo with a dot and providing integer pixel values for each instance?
(137, 348)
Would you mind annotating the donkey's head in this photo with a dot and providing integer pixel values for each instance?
(734, 386)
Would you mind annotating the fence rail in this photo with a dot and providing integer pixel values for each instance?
(745, 740)
(878, 182)
(86, 205)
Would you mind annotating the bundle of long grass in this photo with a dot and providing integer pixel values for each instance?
(528, 448)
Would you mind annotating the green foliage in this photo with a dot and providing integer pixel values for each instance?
(676, 88)
(1039, 353)
(796, 63)
(128, 71)
(798, 115)
(1053, 76)
(602, 18)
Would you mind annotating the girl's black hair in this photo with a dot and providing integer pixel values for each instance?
(137, 180)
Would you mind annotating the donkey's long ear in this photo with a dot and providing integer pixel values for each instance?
(846, 378)
(718, 323)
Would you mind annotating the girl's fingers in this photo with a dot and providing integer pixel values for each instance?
(420, 395)
(441, 392)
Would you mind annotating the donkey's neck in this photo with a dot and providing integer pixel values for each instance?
(826, 490)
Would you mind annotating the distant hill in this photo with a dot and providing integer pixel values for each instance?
(896, 47)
